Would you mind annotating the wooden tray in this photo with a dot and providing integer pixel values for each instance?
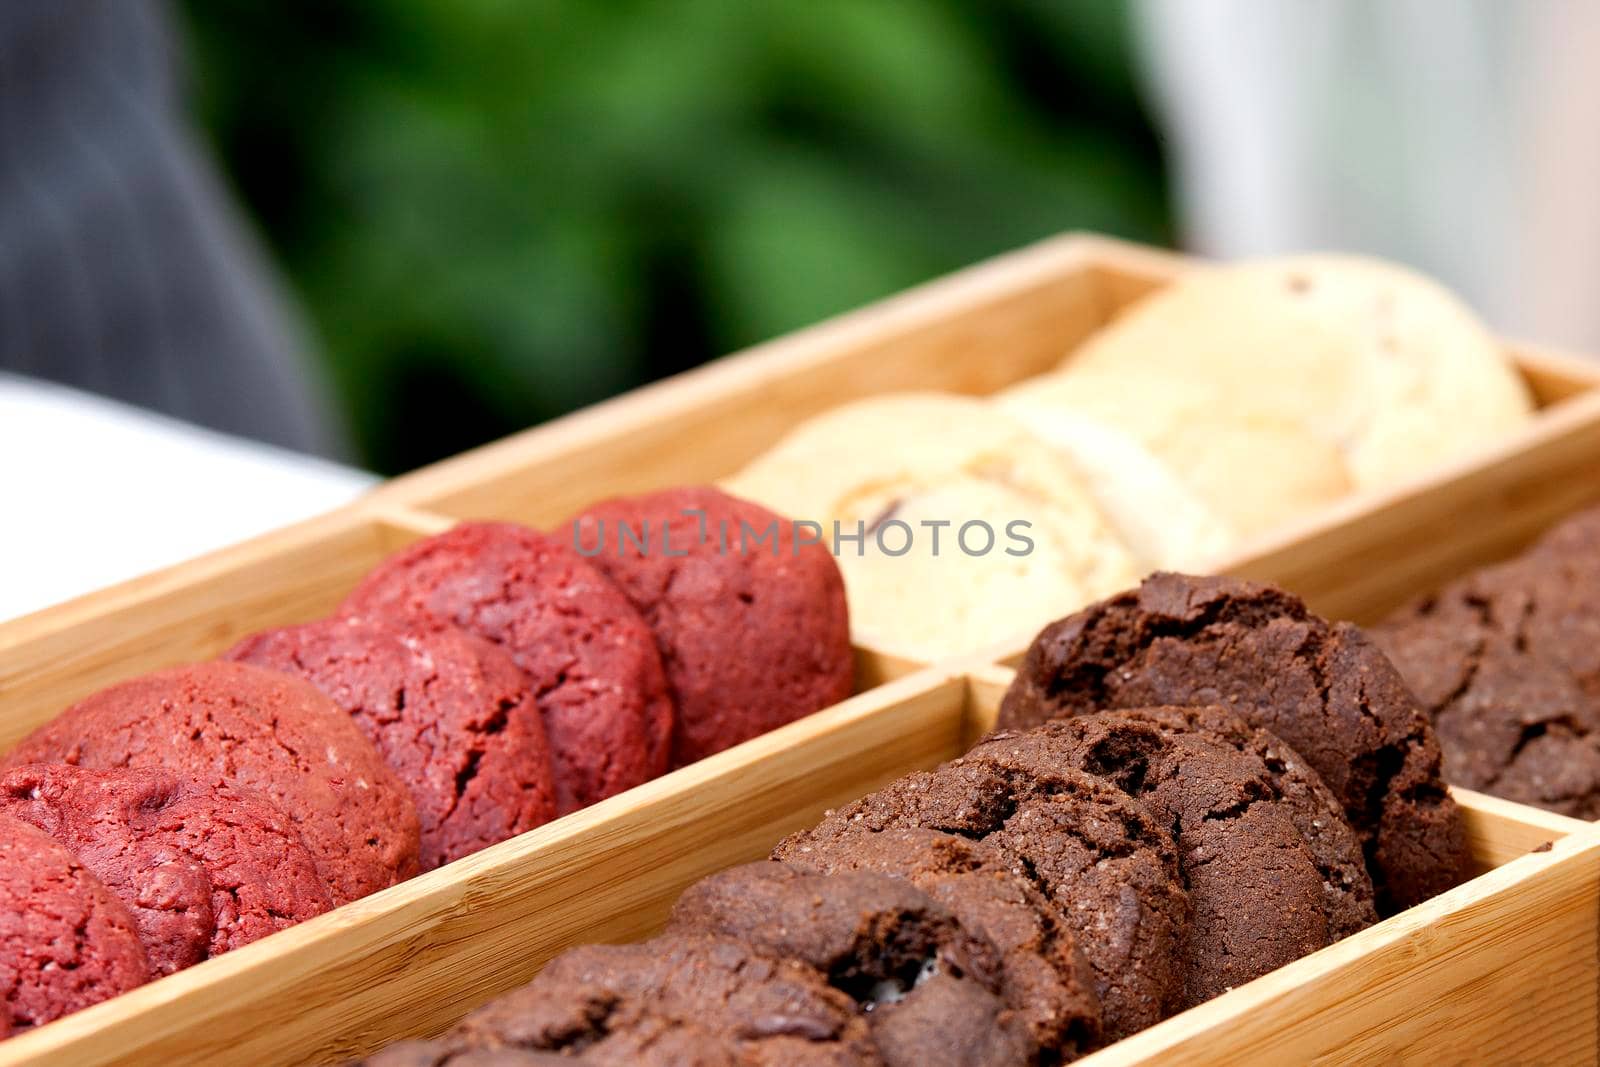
(1502, 969)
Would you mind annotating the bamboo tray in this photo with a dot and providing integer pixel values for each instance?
(1502, 969)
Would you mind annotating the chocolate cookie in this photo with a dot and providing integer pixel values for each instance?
(677, 999)
(451, 713)
(592, 662)
(65, 941)
(1257, 893)
(445, 1053)
(201, 871)
(1348, 897)
(752, 634)
(1507, 662)
(1044, 978)
(929, 986)
(1109, 870)
(232, 725)
(1323, 688)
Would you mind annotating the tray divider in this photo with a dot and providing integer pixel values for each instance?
(409, 523)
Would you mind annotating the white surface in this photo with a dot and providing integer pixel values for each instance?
(93, 492)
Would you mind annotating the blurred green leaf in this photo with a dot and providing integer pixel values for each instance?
(497, 211)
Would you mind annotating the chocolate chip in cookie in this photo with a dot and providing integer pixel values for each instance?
(1098, 858)
(929, 985)
(676, 999)
(1044, 976)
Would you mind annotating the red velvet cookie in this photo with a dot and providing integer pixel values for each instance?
(235, 725)
(752, 635)
(593, 665)
(451, 713)
(65, 941)
(201, 871)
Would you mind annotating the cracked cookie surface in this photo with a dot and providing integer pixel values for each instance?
(593, 664)
(1043, 976)
(232, 725)
(66, 942)
(752, 635)
(929, 986)
(1507, 662)
(1259, 896)
(201, 872)
(451, 713)
(1348, 896)
(677, 999)
(1097, 858)
(1324, 688)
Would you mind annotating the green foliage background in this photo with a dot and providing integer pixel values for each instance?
(497, 211)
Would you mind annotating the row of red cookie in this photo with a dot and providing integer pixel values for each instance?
(474, 686)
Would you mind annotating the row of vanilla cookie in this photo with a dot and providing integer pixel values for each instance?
(1224, 405)
(473, 686)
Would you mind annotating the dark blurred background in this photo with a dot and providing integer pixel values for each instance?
(494, 213)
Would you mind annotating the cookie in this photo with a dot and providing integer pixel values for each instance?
(92, 814)
(445, 1053)
(1110, 871)
(1379, 363)
(66, 942)
(751, 636)
(1163, 519)
(953, 568)
(1259, 896)
(451, 714)
(1044, 978)
(232, 725)
(1576, 539)
(928, 985)
(1237, 473)
(965, 529)
(1507, 663)
(676, 999)
(201, 871)
(1323, 688)
(591, 660)
(1349, 900)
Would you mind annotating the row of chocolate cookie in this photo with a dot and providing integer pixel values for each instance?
(1139, 843)
(1507, 662)
(473, 686)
